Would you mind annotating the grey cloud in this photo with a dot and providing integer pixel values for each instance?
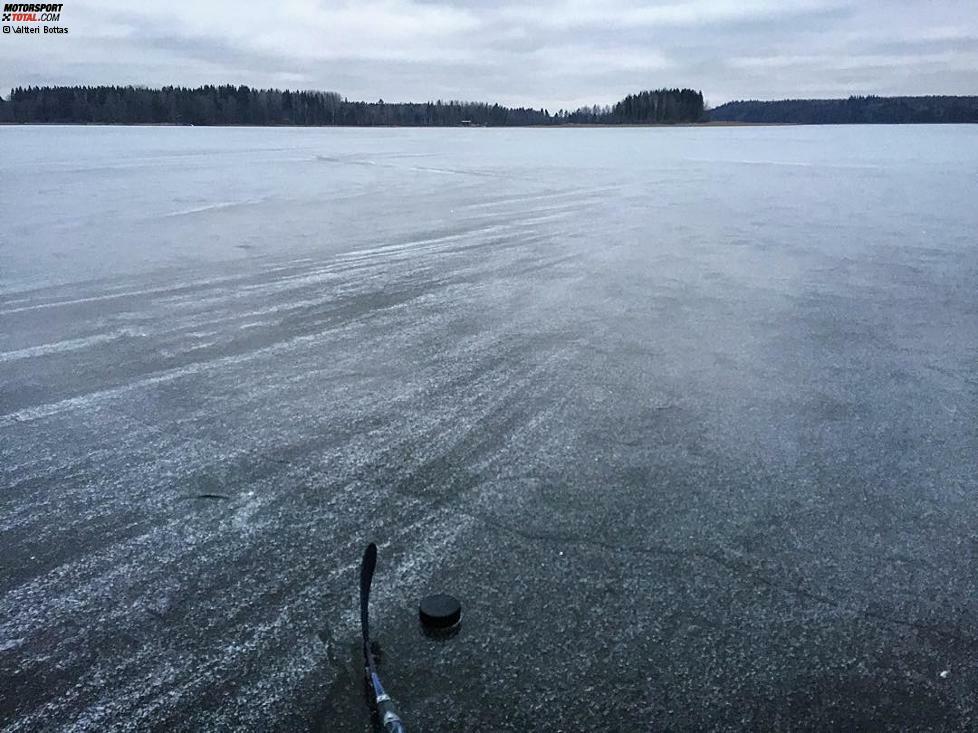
(555, 54)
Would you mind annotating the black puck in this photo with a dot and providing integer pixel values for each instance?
(440, 611)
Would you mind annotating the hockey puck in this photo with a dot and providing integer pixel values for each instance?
(440, 611)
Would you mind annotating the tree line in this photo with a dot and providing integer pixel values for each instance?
(241, 105)
(854, 110)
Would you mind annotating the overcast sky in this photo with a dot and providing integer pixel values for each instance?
(560, 53)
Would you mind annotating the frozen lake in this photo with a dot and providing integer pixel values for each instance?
(685, 417)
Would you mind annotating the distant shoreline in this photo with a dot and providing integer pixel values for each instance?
(934, 109)
(556, 126)
(227, 105)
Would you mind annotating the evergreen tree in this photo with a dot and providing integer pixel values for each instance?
(863, 110)
(241, 105)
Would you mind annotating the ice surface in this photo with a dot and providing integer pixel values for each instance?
(685, 417)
